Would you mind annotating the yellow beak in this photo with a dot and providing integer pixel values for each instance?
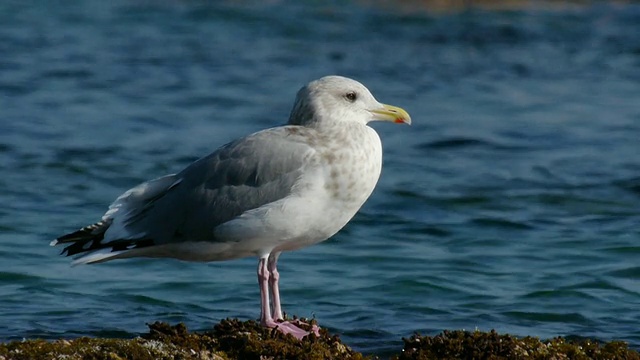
(391, 113)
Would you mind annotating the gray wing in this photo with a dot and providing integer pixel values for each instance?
(240, 176)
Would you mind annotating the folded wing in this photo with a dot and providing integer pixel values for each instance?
(240, 176)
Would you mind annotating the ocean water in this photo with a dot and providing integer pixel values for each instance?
(512, 203)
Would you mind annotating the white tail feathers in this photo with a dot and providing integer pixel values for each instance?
(97, 256)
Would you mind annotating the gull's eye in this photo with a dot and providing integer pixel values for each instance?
(351, 96)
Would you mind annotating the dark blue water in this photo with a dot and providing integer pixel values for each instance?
(512, 203)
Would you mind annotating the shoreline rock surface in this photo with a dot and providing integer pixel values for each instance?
(235, 339)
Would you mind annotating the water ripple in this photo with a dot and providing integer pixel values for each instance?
(468, 143)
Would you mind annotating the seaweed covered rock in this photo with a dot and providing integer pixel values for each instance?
(234, 339)
(107, 349)
(493, 346)
(249, 340)
(230, 339)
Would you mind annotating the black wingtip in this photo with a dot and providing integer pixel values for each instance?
(90, 232)
(82, 240)
(90, 238)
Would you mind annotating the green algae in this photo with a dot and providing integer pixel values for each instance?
(96, 349)
(230, 339)
(248, 340)
(493, 346)
(235, 339)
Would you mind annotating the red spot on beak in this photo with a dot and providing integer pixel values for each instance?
(399, 121)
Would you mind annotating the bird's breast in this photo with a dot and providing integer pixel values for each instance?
(348, 173)
(352, 169)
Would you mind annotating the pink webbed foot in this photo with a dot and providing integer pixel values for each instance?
(293, 328)
(314, 328)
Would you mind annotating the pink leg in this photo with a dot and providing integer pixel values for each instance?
(274, 277)
(266, 268)
(263, 281)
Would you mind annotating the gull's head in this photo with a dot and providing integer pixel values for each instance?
(333, 99)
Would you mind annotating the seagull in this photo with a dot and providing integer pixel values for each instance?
(276, 190)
